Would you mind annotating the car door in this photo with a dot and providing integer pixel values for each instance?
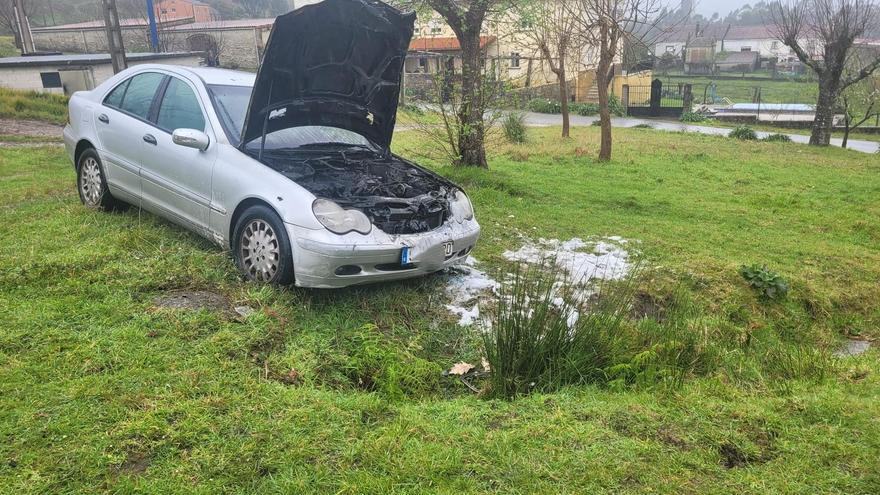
(176, 179)
(120, 122)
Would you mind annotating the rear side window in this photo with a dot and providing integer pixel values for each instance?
(139, 95)
(114, 99)
(180, 108)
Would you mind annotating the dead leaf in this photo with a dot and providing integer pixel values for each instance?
(485, 364)
(460, 368)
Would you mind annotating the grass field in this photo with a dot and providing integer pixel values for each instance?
(33, 105)
(341, 392)
(743, 90)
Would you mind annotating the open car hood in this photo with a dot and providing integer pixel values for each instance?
(337, 63)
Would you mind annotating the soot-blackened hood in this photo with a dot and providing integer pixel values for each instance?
(336, 63)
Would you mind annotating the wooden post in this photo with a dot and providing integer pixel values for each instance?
(114, 36)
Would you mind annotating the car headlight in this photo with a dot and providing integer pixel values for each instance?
(461, 207)
(338, 220)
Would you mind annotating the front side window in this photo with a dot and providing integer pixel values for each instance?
(139, 96)
(180, 108)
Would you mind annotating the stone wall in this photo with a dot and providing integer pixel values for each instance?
(239, 47)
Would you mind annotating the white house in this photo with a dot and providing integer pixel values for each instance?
(727, 39)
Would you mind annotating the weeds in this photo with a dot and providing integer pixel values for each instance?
(544, 105)
(768, 284)
(514, 127)
(35, 105)
(778, 138)
(743, 132)
(692, 117)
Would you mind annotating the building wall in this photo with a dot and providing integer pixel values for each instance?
(28, 78)
(240, 47)
(177, 9)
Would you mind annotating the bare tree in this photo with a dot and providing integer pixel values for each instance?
(7, 17)
(549, 25)
(608, 25)
(822, 33)
(465, 18)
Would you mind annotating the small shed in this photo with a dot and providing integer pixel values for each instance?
(66, 74)
(744, 61)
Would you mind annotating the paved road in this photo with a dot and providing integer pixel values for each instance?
(544, 119)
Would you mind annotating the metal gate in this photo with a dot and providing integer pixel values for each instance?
(657, 101)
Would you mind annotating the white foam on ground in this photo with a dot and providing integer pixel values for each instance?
(582, 261)
(466, 286)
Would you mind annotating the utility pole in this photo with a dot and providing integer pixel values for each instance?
(154, 31)
(114, 36)
(24, 28)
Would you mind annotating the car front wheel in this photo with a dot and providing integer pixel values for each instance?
(261, 247)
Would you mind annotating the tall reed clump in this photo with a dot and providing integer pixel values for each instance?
(542, 337)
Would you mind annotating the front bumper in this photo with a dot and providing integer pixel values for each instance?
(322, 259)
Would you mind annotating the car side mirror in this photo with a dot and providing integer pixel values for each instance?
(191, 138)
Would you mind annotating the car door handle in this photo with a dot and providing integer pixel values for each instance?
(104, 118)
(149, 138)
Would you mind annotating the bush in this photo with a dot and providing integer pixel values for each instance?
(778, 138)
(615, 106)
(412, 109)
(596, 123)
(692, 117)
(643, 126)
(744, 133)
(544, 105)
(514, 127)
(584, 109)
(768, 284)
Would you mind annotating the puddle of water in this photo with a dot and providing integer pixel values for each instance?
(853, 348)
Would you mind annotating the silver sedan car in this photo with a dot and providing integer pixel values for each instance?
(291, 169)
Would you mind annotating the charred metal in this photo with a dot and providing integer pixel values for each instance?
(399, 197)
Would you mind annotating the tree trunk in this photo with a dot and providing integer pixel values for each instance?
(821, 133)
(604, 110)
(563, 98)
(471, 132)
(846, 128)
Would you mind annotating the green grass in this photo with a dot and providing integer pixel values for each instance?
(33, 105)
(7, 47)
(742, 90)
(340, 391)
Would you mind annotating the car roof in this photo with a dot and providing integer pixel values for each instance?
(209, 75)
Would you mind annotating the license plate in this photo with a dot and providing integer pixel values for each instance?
(447, 248)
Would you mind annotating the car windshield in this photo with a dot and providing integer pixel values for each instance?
(231, 103)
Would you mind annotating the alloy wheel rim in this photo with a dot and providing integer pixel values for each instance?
(260, 251)
(90, 183)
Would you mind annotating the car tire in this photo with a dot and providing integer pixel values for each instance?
(91, 182)
(261, 247)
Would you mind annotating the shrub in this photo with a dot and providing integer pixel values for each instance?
(744, 133)
(544, 105)
(514, 127)
(412, 109)
(616, 106)
(692, 117)
(596, 123)
(768, 284)
(643, 126)
(778, 138)
(584, 109)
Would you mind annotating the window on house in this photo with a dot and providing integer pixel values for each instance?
(745, 49)
(514, 60)
(670, 48)
(774, 45)
(423, 64)
(436, 30)
(51, 79)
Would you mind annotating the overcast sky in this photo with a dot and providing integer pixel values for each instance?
(708, 7)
